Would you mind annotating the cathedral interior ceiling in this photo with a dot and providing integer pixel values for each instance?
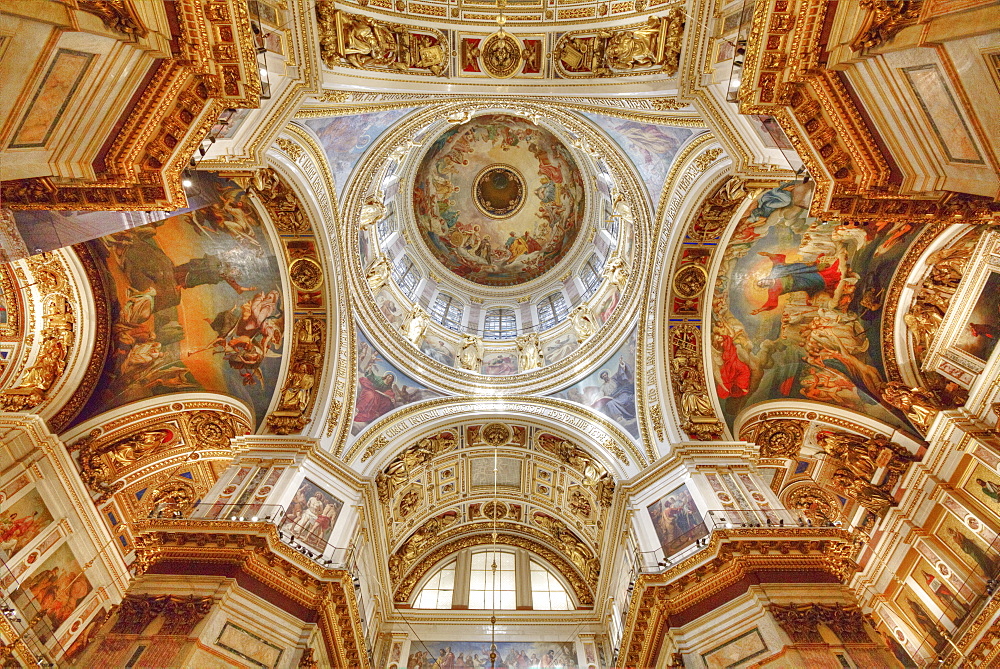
(731, 301)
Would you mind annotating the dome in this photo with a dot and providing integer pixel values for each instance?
(498, 200)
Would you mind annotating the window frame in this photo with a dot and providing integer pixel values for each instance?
(443, 316)
(501, 332)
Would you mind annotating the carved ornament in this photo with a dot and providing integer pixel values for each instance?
(181, 614)
(780, 438)
(690, 389)
(362, 42)
(801, 622)
(644, 48)
(885, 19)
(298, 392)
(116, 15)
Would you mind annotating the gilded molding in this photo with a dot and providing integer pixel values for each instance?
(215, 69)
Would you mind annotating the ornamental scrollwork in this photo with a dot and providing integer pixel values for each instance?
(780, 438)
(885, 19)
(57, 337)
(400, 469)
(181, 614)
(595, 476)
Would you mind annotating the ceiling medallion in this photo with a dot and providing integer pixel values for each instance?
(499, 191)
(496, 434)
(501, 55)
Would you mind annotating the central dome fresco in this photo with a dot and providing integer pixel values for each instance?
(498, 200)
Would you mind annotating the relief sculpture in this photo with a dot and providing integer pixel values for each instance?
(645, 48)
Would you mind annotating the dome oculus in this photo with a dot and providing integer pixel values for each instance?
(498, 200)
(499, 191)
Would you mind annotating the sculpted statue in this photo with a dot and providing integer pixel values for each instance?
(49, 365)
(372, 211)
(295, 396)
(379, 273)
(529, 351)
(874, 498)
(583, 322)
(471, 354)
(628, 49)
(133, 448)
(416, 324)
(572, 547)
(919, 405)
(397, 472)
(421, 539)
(861, 455)
(615, 271)
(595, 476)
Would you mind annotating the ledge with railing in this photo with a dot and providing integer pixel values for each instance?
(299, 537)
(698, 537)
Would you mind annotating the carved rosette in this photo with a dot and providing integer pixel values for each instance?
(780, 438)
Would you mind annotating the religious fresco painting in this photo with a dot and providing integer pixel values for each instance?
(503, 363)
(195, 304)
(386, 303)
(969, 547)
(978, 336)
(610, 389)
(382, 387)
(677, 521)
(54, 590)
(476, 654)
(607, 305)
(21, 522)
(652, 148)
(346, 138)
(930, 635)
(797, 309)
(498, 200)
(559, 348)
(311, 515)
(984, 485)
(438, 349)
(934, 586)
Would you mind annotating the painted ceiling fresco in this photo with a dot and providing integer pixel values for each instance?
(195, 304)
(797, 309)
(346, 138)
(651, 148)
(498, 200)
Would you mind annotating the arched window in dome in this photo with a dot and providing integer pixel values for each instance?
(552, 310)
(437, 593)
(468, 580)
(448, 311)
(500, 323)
(590, 275)
(388, 224)
(547, 591)
(406, 275)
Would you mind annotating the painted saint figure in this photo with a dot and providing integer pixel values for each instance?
(784, 278)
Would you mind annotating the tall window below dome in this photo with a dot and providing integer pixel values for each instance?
(447, 311)
(489, 589)
(406, 275)
(590, 275)
(468, 580)
(551, 310)
(500, 324)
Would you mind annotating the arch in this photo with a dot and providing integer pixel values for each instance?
(384, 438)
(406, 585)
